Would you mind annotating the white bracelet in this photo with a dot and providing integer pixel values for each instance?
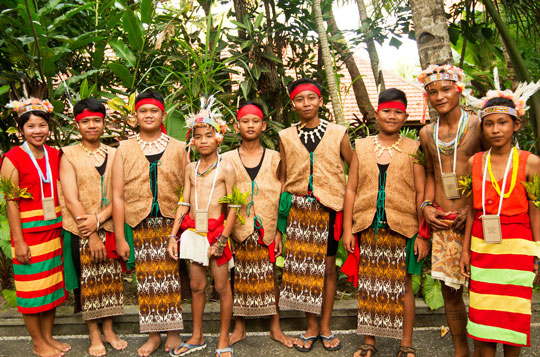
(187, 204)
(234, 206)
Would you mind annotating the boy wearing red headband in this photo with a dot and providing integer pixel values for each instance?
(448, 143)
(257, 241)
(206, 225)
(312, 175)
(148, 169)
(85, 177)
(384, 192)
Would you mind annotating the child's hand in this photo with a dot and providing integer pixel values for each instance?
(465, 264)
(431, 214)
(215, 250)
(348, 242)
(22, 252)
(421, 248)
(172, 248)
(459, 223)
(87, 224)
(278, 244)
(122, 249)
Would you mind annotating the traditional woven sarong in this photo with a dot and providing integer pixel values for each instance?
(158, 280)
(253, 279)
(40, 284)
(305, 255)
(447, 246)
(501, 283)
(101, 284)
(381, 283)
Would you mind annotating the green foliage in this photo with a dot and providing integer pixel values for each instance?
(236, 199)
(465, 185)
(5, 237)
(416, 282)
(10, 296)
(10, 192)
(533, 190)
(432, 292)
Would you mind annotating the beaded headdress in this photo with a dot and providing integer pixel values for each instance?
(442, 73)
(24, 105)
(208, 116)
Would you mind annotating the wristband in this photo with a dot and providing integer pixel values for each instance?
(187, 204)
(234, 206)
(426, 203)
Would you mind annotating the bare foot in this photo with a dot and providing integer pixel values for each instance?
(116, 342)
(237, 336)
(173, 340)
(45, 350)
(153, 342)
(285, 340)
(61, 346)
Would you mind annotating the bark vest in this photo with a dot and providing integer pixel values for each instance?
(265, 197)
(137, 193)
(400, 202)
(88, 184)
(328, 166)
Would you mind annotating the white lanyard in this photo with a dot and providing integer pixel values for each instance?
(213, 183)
(42, 179)
(463, 114)
(503, 184)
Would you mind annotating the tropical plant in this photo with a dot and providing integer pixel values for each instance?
(533, 190)
(236, 199)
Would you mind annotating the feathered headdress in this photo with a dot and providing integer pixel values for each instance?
(24, 105)
(442, 73)
(207, 116)
(519, 97)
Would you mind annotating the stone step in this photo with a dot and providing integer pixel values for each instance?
(344, 317)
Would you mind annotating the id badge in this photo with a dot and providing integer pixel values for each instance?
(450, 185)
(49, 210)
(201, 221)
(491, 225)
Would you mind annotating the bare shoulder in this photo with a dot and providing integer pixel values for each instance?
(426, 131)
(226, 168)
(533, 162)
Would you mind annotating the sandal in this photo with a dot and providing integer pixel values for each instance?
(405, 350)
(304, 341)
(219, 351)
(190, 349)
(328, 339)
(365, 348)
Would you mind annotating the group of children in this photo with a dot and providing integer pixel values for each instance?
(144, 206)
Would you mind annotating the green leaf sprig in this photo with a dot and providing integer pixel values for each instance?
(465, 185)
(533, 190)
(236, 198)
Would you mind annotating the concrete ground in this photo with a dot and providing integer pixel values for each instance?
(427, 341)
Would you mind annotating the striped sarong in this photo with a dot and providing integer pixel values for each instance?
(40, 284)
(501, 283)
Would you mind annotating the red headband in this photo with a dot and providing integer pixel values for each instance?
(249, 109)
(303, 87)
(392, 105)
(88, 113)
(152, 101)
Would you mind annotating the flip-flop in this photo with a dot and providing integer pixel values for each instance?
(365, 348)
(219, 351)
(328, 339)
(190, 349)
(304, 340)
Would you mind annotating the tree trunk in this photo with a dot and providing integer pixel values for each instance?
(372, 50)
(328, 63)
(431, 29)
(359, 88)
(519, 65)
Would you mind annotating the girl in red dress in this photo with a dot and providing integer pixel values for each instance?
(36, 225)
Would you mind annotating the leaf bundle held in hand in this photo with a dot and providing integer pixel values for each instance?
(465, 185)
(533, 190)
(419, 158)
(236, 198)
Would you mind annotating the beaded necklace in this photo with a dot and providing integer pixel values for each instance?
(448, 148)
(101, 151)
(208, 170)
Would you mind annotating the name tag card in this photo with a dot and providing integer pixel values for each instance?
(49, 211)
(450, 185)
(491, 226)
(201, 221)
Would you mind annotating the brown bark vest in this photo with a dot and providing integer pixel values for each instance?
(137, 193)
(328, 166)
(88, 184)
(400, 203)
(266, 202)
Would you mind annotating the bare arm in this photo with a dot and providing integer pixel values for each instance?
(346, 149)
(348, 205)
(282, 166)
(118, 205)
(22, 251)
(465, 262)
(533, 167)
(181, 212)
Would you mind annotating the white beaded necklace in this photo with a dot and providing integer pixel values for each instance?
(319, 131)
(379, 149)
(161, 142)
(101, 151)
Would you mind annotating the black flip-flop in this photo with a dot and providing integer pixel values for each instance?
(304, 341)
(328, 339)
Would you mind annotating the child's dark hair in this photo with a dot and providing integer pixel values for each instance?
(300, 81)
(90, 104)
(150, 95)
(26, 116)
(250, 102)
(392, 95)
(501, 102)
